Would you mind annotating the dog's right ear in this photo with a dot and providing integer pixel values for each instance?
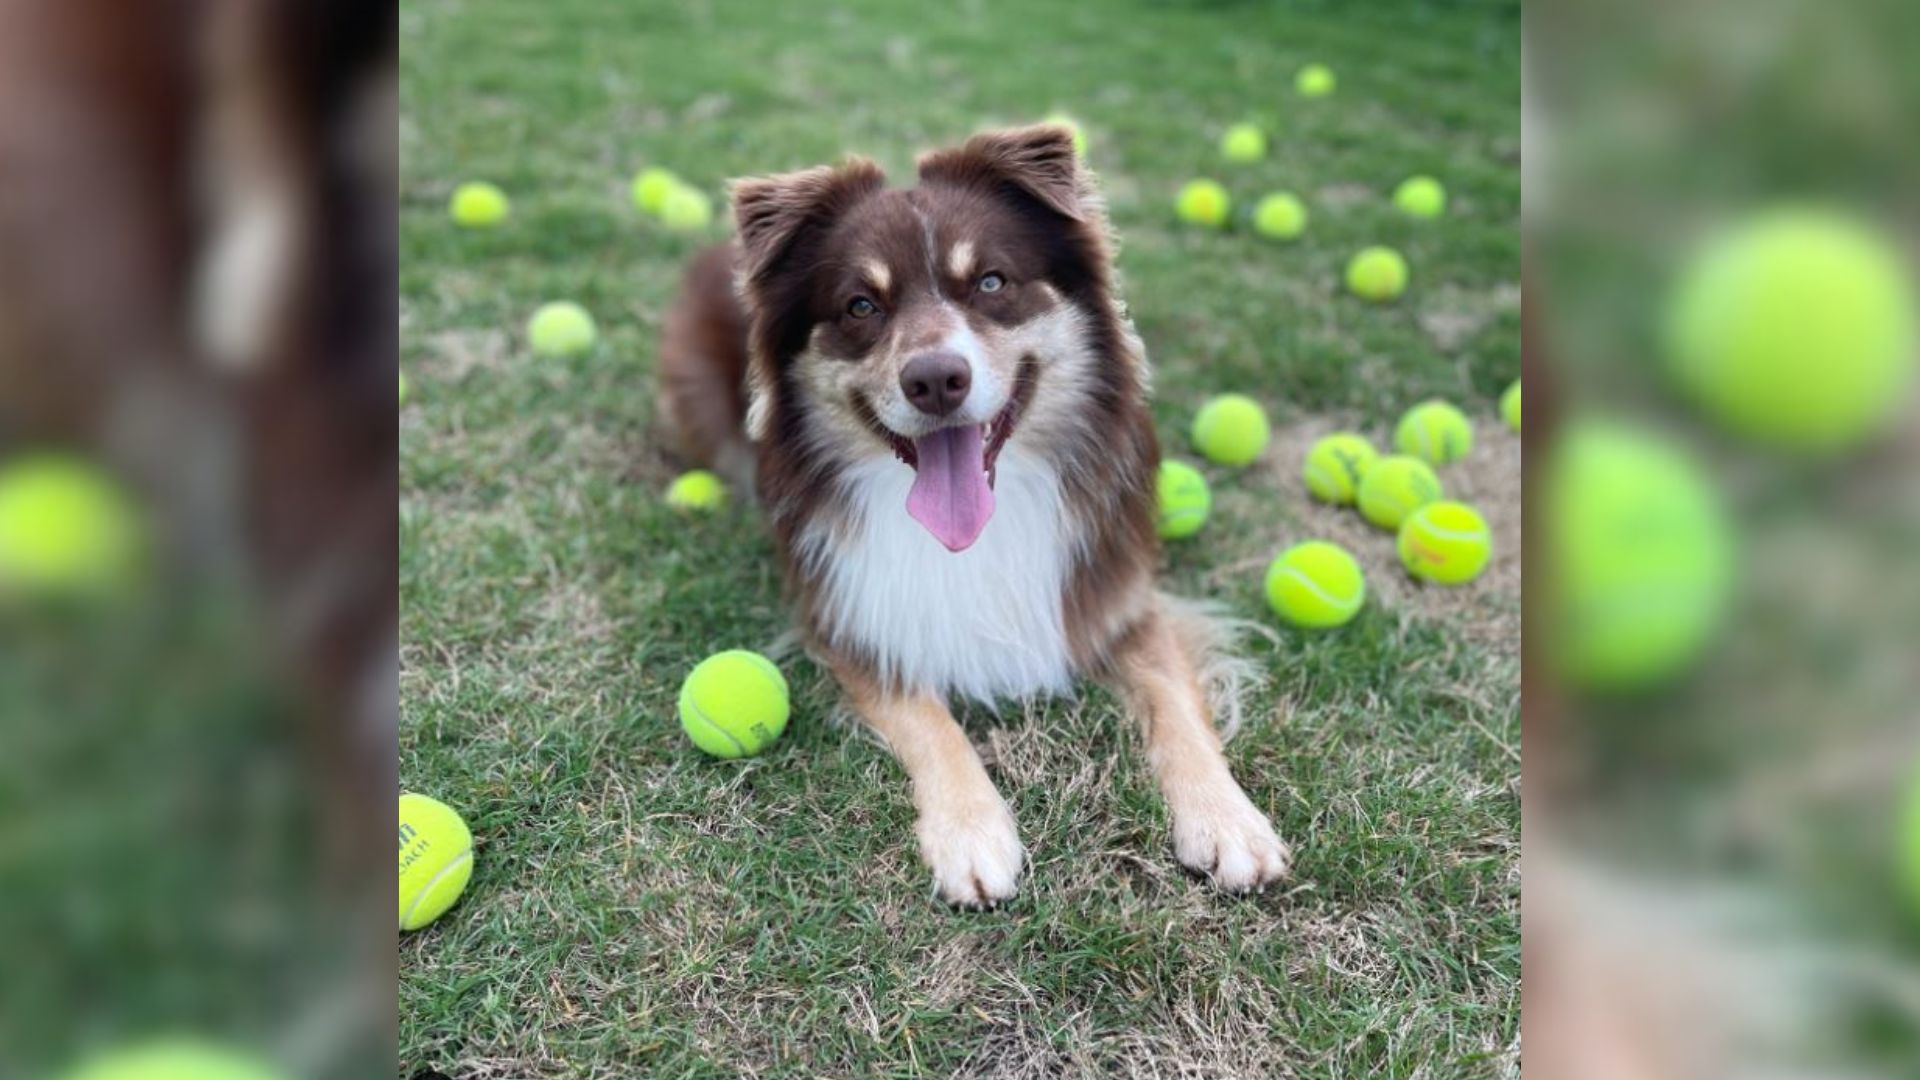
(772, 213)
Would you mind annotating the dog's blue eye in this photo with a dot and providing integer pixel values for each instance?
(861, 307)
(992, 283)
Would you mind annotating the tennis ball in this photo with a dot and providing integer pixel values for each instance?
(1445, 542)
(1243, 143)
(1378, 274)
(561, 328)
(1641, 556)
(1316, 585)
(1435, 432)
(1797, 330)
(1510, 405)
(1203, 202)
(651, 188)
(1230, 430)
(478, 205)
(696, 490)
(1184, 500)
(1395, 487)
(734, 704)
(1068, 122)
(436, 859)
(1280, 216)
(1421, 196)
(1314, 80)
(1336, 465)
(176, 1058)
(67, 530)
(686, 208)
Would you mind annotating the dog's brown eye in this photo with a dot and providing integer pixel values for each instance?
(992, 283)
(861, 307)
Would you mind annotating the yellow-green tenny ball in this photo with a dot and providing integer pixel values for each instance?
(686, 208)
(1395, 487)
(1230, 430)
(1421, 196)
(174, 1058)
(1079, 134)
(1243, 143)
(1280, 216)
(697, 489)
(1797, 330)
(651, 188)
(67, 530)
(436, 859)
(734, 704)
(1642, 556)
(478, 205)
(1378, 274)
(561, 328)
(1335, 466)
(1204, 202)
(1184, 500)
(1510, 405)
(1445, 542)
(1316, 585)
(1435, 432)
(1314, 81)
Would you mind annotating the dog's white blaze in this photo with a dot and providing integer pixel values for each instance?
(960, 260)
(985, 623)
(878, 274)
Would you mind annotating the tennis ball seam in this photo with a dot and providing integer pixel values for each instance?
(1314, 587)
(425, 890)
(693, 709)
(1450, 534)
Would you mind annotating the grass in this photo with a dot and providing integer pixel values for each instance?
(638, 910)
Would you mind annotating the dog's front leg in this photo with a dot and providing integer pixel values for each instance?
(1217, 831)
(967, 835)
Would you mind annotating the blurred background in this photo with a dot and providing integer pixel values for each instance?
(197, 521)
(1722, 736)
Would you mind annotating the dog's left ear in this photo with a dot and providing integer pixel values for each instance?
(1038, 161)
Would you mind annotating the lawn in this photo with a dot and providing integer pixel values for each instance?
(639, 910)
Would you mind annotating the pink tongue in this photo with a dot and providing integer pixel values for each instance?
(950, 495)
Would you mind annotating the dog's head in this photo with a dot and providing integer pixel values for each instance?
(938, 323)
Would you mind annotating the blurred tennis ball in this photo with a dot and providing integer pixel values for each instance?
(1641, 556)
(1445, 542)
(696, 490)
(436, 859)
(1510, 405)
(1421, 196)
(1280, 216)
(1203, 202)
(651, 188)
(561, 328)
(67, 530)
(1316, 585)
(686, 208)
(1068, 122)
(1796, 329)
(1378, 274)
(177, 1058)
(1243, 143)
(1336, 465)
(1314, 81)
(1394, 487)
(734, 704)
(403, 388)
(1184, 500)
(1435, 432)
(1230, 430)
(478, 205)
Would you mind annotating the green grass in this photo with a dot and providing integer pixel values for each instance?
(639, 910)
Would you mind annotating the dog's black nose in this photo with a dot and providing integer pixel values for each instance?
(936, 383)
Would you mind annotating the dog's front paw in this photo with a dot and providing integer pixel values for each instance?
(973, 850)
(1221, 834)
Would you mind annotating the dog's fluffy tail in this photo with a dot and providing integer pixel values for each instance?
(703, 368)
(1213, 638)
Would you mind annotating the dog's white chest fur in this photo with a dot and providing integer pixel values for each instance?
(985, 623)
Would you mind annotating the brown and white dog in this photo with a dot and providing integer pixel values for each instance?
(943, 403)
